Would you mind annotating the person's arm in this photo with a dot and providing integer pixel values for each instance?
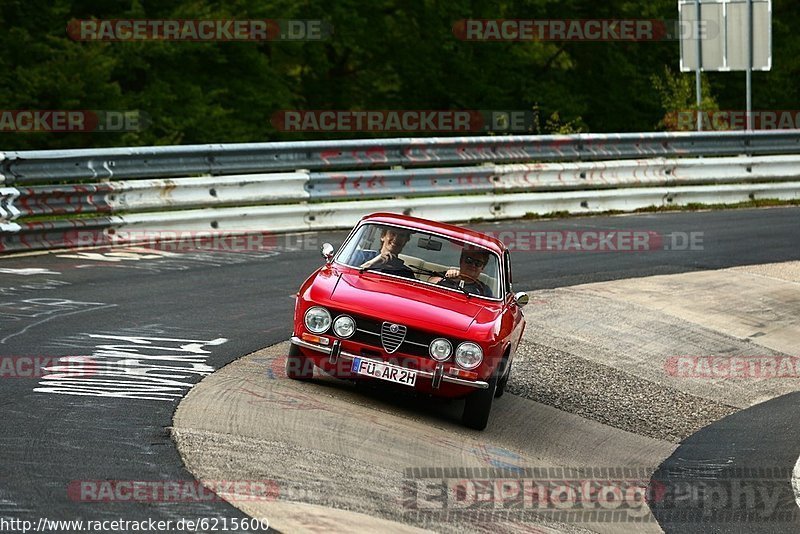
(451, 273)
(362, 256)
(382, 260)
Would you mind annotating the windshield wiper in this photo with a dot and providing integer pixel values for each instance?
(420, 270)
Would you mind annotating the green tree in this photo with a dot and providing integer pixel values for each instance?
(383, 54)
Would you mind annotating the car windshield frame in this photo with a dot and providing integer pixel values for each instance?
(433, 233)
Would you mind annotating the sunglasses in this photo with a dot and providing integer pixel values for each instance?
(475, 262)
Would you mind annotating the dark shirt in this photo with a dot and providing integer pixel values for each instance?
(477, 287)
(394, 266)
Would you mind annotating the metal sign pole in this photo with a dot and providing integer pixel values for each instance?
(732, 47)
(698, 87)
(749, 76)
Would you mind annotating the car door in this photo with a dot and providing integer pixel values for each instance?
(513, 319)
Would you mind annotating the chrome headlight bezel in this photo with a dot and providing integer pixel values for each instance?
(344, 318)
(449, 349)
(462, 351)
(326, 316)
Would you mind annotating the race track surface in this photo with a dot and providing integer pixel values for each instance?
(192, 313)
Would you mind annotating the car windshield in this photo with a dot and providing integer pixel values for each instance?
(460, 266)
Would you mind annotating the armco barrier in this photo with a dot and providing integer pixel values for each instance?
(93, 165)
(259, 189)
(549, 177)
(331, 215)
(644, 173)
(8, 211)
(56, 199)
(176, 193)
(57, 234)
(406, 183)
(64, 199)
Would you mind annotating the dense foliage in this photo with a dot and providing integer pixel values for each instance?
(384, 54)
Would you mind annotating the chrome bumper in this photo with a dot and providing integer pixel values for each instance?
(478, 384)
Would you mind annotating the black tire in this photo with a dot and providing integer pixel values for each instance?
(501, 386)
(298, 367)
(479, 406)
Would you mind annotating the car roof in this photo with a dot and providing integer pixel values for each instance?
(448, 230)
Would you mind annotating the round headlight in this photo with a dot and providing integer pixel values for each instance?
(317, 320)
(440, 349)
(469, 355)
(344, 326)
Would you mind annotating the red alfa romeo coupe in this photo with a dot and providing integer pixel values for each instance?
(413, 302)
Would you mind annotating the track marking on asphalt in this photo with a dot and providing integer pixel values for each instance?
(796, 482)
(27, 272)
(134, 367)
(155, 261)
(34, 286)
(129, 254)
(51, 308)
(80, 341)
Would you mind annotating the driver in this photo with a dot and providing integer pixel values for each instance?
(467, 276)
(392, 242)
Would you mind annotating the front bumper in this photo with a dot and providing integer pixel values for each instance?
(436, 377)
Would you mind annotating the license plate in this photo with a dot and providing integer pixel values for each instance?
(385, 371)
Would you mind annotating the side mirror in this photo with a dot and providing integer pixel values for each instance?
(522, 299)
(327, 252)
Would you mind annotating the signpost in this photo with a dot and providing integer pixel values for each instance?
(743, 40)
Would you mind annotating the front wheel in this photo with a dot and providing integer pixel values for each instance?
(298, 367)
(501, 385)
(479, 405)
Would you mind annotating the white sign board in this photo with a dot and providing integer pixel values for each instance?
(726, 49)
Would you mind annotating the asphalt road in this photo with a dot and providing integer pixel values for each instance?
(738, 472)
(206, 309)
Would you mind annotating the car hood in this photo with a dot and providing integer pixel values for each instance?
(396, 300)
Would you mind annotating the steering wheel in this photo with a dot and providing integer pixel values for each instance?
(478, 285)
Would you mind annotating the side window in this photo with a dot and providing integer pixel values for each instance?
(507, 271)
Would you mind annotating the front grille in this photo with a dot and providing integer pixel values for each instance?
(392, 336)
(415, 343)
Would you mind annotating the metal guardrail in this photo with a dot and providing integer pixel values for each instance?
(549, 177)
(8, 212)
(329, 184)
(259, 189)
(145, 195)
(174, 161)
